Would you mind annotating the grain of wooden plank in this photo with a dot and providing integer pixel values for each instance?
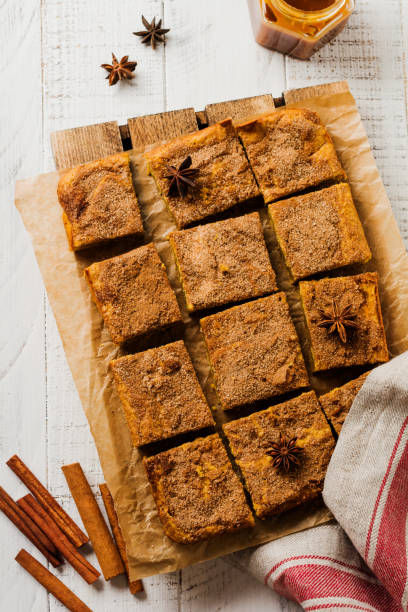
(214, 55)
(77, 38)
(239, 110)
(82, 144)
(217, 585)
(23, 424)
(294, 95)
(161, 126)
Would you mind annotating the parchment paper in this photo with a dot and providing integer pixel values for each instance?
(89, 349)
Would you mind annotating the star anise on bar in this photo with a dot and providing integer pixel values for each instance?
(119, 70)
(154, 33)
(285, 453)
(181, 178)
(337, 319)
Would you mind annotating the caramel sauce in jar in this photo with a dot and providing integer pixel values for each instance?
(298, 27)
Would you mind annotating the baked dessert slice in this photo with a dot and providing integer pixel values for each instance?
(289, 150)
(222, 176)
(254, 351)
(133, 294)
(99, 202)
(297, 430)
(223, 262)
(337, 403)
(319, 231)
(344, 321)
(160, 393)
(197, 493)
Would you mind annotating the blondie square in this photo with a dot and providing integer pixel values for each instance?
(197, 493)
(160, 393)
(133, 294)
(319, 231)
(223, 262)
(300, 422)
(99, 202)
(337, 403)
(289, 150)
(254, 351)
(223, 178)
(344, 321)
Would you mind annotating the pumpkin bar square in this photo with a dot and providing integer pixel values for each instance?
(197, 493)
(319, 231)
(289, 150)
(160, 393)
(346, 306)
(99, 202)
(337, 403)
(254, 351)
(133, 294)
(223, 179)
(223, 262)
(251, 439)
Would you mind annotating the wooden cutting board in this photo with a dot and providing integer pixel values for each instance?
(83, 144)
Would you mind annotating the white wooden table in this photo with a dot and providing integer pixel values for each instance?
(51, 51)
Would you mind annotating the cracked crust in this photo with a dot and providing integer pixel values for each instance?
(133, 294)
(289, 150)
(337, 403)
(224, 179)
(272, 490)
(319, 231)
(223, 262)
(254, 351)
(197, 493)
(160, 393)
(366, 344)
(99, 202)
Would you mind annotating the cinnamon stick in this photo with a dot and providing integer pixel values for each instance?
(9, 507)
(51, 529)
(135, 586)
(30, 524)
(51, 582)
(76, 536)
(92, 518)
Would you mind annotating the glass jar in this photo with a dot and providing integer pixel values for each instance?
(298, 27)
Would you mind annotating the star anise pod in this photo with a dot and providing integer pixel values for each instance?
(285, 453)
(337, 319)
(181, 178)
(119, 70)
(154, 32)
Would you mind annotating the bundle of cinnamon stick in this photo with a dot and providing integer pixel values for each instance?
(53, 532)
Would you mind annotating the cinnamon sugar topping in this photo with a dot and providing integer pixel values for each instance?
(289, 150)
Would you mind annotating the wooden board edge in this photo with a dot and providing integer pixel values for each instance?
(83, 144)
(148, 129)
(304, 93)
(75, 146)
(241, 109)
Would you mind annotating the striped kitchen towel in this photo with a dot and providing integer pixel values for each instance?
(360, 562)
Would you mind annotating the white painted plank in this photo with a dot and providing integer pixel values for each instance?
(79, 36)
(218, 585)
(22, 371)
(370, 54)
(212, 55)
